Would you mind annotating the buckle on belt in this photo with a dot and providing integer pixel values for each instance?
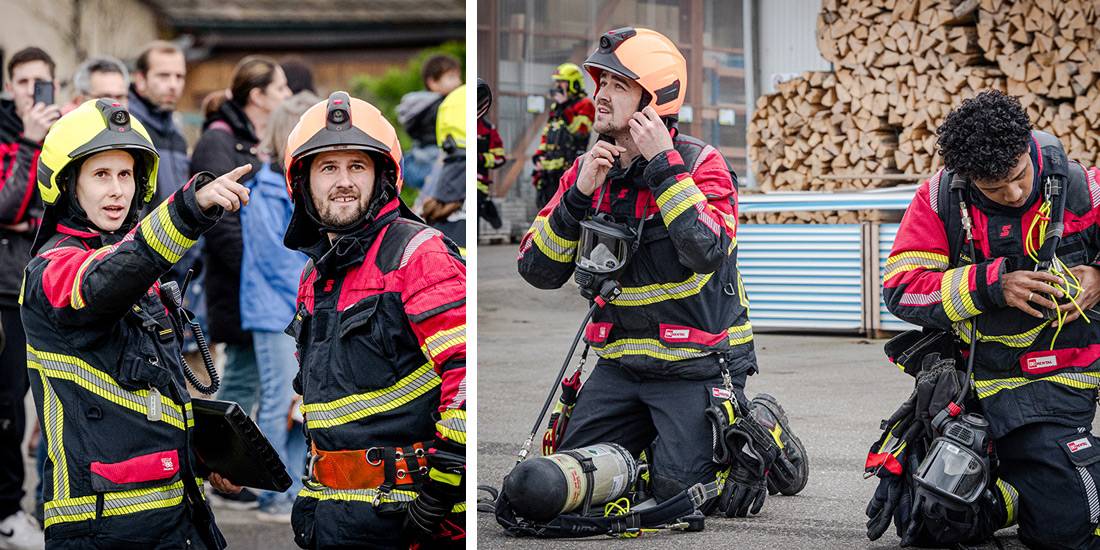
(309, 480)
(381, 455)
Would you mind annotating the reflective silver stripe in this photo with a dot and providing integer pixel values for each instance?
(69, 509)
(904, 260)
(934, 192)
(674, 205)
(354, 407)
(1090, 493)
(1094, 189)
(912, 299)
(650, 294)
(651, 348)
(163, 236)
(550, 243)
(707, 220)
(740, 334)
(138, 500)
(53, 414)
(360, 495)
(444, 339)
(414, 243)
(1022, 340)
(101, 384)
(1078, 380)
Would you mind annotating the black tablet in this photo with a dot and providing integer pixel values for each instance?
(227, 441)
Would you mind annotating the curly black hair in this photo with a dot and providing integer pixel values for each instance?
(983, 138)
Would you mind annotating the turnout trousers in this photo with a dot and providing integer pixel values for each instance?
(667, 415)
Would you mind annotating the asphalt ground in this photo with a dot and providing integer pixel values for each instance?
(835, 390)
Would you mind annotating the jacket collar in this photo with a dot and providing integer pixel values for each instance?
(350, 248)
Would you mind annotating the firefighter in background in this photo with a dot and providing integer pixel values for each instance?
(381, 332)
(490, 156)
(443, 201)
(102, 348)
(565, 136)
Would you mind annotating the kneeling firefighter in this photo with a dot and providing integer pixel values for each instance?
(104, 337)
(996, 258)
(381, 332)
(646, 220)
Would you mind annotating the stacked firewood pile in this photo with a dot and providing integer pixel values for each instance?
(901, 65)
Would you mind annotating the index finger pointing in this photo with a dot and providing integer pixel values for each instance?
(239, 171)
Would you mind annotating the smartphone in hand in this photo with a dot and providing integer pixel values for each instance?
(43, 92)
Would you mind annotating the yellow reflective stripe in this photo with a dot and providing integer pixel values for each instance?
(53, 415)
(140, 500)
(1021, 340)
(955, 290)
(163, 236)
(445, 477)
(1011, 498)
(1077, 380)
(679, 197)
(578, 120)
(76, 370)
(452, 425)
(458, 508)
(76, 297)
(552, 164)
(444, 339)
(647, 347)
(741, 334)
(64, 510)
(551, 244)
(659, 292)
(361, 405)
(358, 495)
(908, 261)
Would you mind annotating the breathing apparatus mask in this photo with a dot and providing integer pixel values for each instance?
(957, 466)
(603, 250)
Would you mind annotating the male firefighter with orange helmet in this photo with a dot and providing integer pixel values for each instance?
(381, 332)
(103, 337)
(565, 135)
(675, 346)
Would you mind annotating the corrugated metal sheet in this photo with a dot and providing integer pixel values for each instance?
(886, 234)
(803, 276)
(794, 202)
(786, 40)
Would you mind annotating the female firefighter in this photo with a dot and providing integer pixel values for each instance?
(103, 347)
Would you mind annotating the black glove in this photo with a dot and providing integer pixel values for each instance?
(893, 500)
(938, 384)
(743, 493)
(425, 515)
(436, 497)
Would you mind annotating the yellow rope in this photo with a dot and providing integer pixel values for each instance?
(1070, 286)
(621, 507)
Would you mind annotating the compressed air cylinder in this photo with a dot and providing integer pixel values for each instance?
(545, 487)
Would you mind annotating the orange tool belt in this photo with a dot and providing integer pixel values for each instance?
(369, 468)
